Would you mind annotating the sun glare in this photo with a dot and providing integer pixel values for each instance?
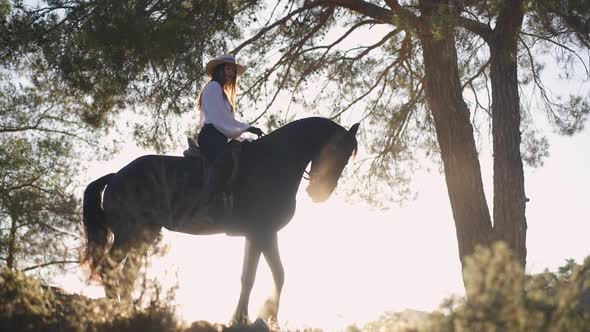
(346, 264)
(343, 265)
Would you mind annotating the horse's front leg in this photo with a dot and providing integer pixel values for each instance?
(251, 258)
(270, 249)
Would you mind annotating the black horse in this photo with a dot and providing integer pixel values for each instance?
(161, 191)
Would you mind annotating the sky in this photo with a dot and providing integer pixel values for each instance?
(348, 264)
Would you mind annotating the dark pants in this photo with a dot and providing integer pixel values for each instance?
(211, 142)
(214, 146)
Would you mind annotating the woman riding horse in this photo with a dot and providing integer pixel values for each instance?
(132, 205)
(124, 212)
(216, 104)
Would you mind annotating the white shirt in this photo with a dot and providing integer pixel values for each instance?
(217, 110)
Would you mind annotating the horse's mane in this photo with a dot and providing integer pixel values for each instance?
(312, 127)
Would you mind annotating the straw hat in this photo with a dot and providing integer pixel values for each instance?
(225, 58)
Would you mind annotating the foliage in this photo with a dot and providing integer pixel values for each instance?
(364, 60)
(25, 305)
(333, 62)
(40, 148)
(114, 55)
(501, 298)
(148, 56)
(97, 58)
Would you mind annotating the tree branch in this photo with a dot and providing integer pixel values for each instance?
(558, 45)
(480, 29)
(476, 75)
(28, 183)
(402, 54)
(59, 231)
(371, 88)
(406, 15)
(319, 62)
(365, 8)
(50, 263)
(294, 52)
(374, 46)
(274, 25)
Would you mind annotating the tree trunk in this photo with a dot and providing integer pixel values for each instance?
(11, 244)
(455, 136)
(509, 196)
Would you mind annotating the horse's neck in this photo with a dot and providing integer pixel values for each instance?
(296, 144)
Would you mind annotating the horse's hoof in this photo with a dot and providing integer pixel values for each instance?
(239, 321)
(269, 310)
(272, 323)
(260, 325)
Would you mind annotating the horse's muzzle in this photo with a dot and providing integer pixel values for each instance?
(318, 194)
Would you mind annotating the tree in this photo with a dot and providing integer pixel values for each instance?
(145, 56)
(41, 139)
(39, 150)
(67, 68)
(450, 38)
(410, 73)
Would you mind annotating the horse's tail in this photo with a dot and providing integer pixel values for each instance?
(96, 231)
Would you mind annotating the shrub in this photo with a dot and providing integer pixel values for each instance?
(499, 297)
(26, 305)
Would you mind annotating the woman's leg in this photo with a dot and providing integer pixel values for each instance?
(212, 144)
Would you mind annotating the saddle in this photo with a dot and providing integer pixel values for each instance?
(226, 195)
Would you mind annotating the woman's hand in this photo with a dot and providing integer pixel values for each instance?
(256, 131)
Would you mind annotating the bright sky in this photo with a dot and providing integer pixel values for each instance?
(347, 264)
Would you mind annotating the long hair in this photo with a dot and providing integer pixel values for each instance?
(230, 87)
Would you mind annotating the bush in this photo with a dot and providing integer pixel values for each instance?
(26, 305)
(501, 298)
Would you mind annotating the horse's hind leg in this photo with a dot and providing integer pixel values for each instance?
(109, 270)
(134, 263)
(129, 275)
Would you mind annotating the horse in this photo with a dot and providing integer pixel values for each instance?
(158, 191)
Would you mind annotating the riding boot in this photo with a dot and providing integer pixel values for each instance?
(211, 183)
(218, 178)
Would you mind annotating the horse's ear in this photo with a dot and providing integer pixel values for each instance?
(354, 129)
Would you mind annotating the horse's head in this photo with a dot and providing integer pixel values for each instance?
(328, 165)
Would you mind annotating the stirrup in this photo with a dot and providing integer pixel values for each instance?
(202, 216)
(228, 200)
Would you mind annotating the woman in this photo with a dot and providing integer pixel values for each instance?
(216, 104)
